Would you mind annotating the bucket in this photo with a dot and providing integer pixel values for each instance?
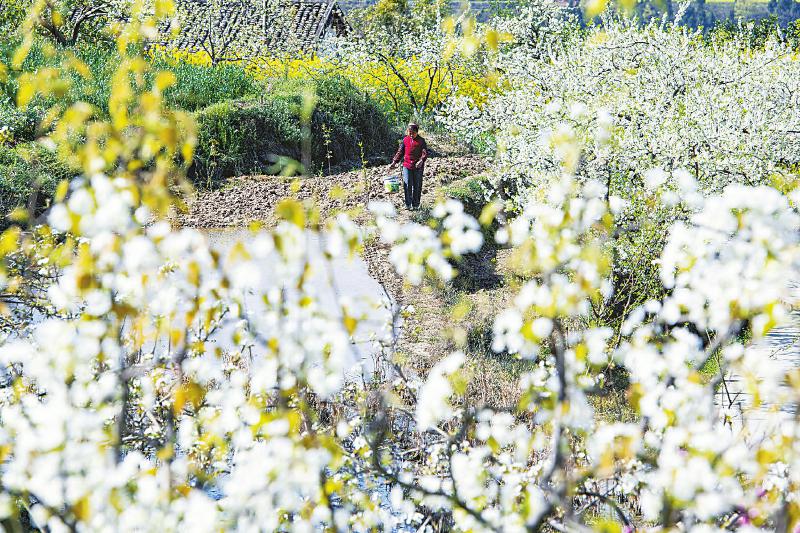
(391, 183)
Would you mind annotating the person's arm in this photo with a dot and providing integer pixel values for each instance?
(424, 155)
(400, 153)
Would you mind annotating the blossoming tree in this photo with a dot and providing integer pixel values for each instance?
(654, 100)
(154, 396)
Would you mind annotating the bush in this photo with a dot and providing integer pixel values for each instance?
(240, 136)
(471, 192)
(252, 135)
(18, 125)
(28, 173)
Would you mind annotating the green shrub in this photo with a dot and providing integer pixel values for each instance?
(18, 125)
(238, 137)
(250, 136)
(471, 192)
(29, 175)
(345, 117)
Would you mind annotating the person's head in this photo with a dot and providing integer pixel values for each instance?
(413, 130)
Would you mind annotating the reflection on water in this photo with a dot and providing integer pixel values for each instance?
(780, 355)
(332, 281)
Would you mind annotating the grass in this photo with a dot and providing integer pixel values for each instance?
(612, 406)
(710, 369)
(470, 192)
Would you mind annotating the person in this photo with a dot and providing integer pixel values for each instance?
(413, 152)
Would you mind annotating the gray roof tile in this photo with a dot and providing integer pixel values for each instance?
(248, 27)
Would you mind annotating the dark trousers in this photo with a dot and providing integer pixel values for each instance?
(412, 186)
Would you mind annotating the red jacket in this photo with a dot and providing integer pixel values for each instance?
(411, 151)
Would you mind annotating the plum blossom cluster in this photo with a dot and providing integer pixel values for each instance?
(639, 109)
(728, 269)
(417, 248)
(556, 243)
(172, 386)
(170, 392)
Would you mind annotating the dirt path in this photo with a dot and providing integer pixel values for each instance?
(252, 198)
